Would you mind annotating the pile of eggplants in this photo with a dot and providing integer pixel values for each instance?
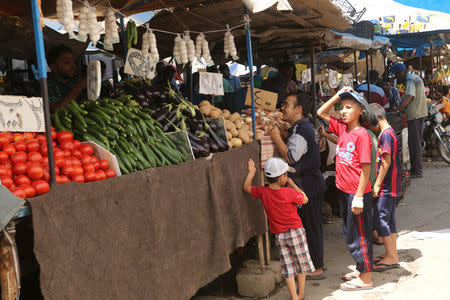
(175, 113)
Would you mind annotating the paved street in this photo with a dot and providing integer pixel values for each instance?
(425, 263)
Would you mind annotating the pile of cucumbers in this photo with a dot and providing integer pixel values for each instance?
(128, 131)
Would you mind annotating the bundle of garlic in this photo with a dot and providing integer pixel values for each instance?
(83, 23)
(64, 12)
(198, 45)
(145, 44)
(184, 51)
(205, 50)
(190, 46)
(153, 49)
(229, 46)
(177, 48)
(93, 26)
(111, 30)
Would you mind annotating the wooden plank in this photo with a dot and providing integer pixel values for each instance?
(7, 272)
(261, 250)
(267, 234)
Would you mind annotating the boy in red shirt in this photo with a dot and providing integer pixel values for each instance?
(280, 204)
(352, 179)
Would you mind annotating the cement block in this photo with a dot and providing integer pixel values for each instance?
(275, 267)
(251, 284)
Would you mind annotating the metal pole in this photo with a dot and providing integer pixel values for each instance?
(368, 76)
(313, 82)
(432, 69)
(420, 65)
(42, 66)
(124, 39)
(440, 68)
(188, 82)
(248, 38)
(371, 61)
(356, 66)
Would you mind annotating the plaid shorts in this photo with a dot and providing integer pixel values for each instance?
(294, 252)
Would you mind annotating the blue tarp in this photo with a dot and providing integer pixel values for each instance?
(436, 5)
(419, 40)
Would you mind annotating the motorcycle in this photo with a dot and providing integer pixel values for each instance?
(437, 133)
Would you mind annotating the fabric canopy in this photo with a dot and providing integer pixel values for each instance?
(419, 40)
(347, 40)
(436, 5)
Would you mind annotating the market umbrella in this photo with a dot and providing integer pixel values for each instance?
(436, 5)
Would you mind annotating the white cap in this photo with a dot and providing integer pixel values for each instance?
(276, 167)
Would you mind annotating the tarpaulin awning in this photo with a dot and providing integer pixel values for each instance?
(420, 39)
(347, 40)
(436, 5)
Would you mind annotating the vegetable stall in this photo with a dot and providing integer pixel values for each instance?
(167, 212)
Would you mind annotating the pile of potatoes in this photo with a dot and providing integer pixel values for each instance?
(238, 132)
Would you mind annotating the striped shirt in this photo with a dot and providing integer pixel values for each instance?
(392, 183)
(377, 94)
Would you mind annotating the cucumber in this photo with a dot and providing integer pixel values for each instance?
(117, 127)
(97, 119)
(100, 113)
(97, 134)
(77, 107)
(161, 156)
(123, 118)
(130, 128)
(110, 106)
(138, 129)
(148, 154)
(109, 112)
(172, 156)
(58, 125)
(76, 114)
(77, 125)
(127, 113)
(88, 137)
(124, 159)
(89, 121)
(122, 167)
(123, 145)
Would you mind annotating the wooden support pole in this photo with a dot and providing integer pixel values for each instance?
(8, 276)
(313, 84)
(261, 250)
(432, 69)
(356, 66)
(420, 66)
(267, 234)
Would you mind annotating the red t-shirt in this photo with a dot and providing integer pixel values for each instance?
(353, 149)
(280, 206)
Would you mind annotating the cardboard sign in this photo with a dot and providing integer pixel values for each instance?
(306, 76)
(137, 65)
(333, 80)
(263, 99)
(346, 80)
(19, 113)
(94, 83)
(211, 84)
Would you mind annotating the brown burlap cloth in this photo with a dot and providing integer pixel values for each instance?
(155, 234)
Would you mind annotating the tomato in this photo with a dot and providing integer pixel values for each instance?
(20, 146)
(76, 162)
(86, 149)
(68, 163)
(58, 154)
(41, 139)
(88, 168)
(32, 145)
(97, 165)
(67, 171)
(29, 190)
(77, 170)
(100, 174)
(19, 192)
(110, 173)
(59, 162)
(67, 153)
(9, 149)
(53, 133)
(90, 176)
(77, 153)
(18, 137)
(28, 135)
(45, 160)
(35, 157)
(21, 179)
(67, 146)
(86, 159)
(61, 179)
(76, 144)
(35, 172)
(6, 181)
(43, 149)
(104, 165)
(94, 159)
(40, 186)
(3, 171)
(64, 136)
(3, 156)
(19, 169)
(78, 178)
(4, 140)
(19, 157)
(46, 176)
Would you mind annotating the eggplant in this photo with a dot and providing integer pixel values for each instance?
(220, 143)
(193, 137)
(162, 114)
(199, 148)
(213, 145)
(213, 126)
(172, 118)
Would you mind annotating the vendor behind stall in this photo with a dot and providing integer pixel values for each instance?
(377, 94)
(62, 84)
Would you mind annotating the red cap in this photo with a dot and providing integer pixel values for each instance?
(176, 76)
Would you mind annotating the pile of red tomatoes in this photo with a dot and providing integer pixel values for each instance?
(24, 162)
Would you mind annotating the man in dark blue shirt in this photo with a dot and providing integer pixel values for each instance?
(302, 152)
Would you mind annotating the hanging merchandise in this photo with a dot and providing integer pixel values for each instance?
(93, 26)
(177, 48)
(229, 46)
(111, 30)
(205, 50)
(190, 46)
(153, 49)
(198, 46)
(184, 51)
(83, 23)
(64, 12)
(132, 37)
(145, 44)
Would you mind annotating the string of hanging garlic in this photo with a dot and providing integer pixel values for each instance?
(202, 48)
(111, 30)
(229, 46)
(64, 12)
(205, 50)
(93, 26)
(177, 48)
(190, 46)
(149, 42)
(83, 23)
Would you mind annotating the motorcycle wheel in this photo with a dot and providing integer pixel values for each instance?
(442, 151)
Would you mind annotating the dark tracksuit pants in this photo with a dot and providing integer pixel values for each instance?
(415, 140)
(358, 230)
(311, 216)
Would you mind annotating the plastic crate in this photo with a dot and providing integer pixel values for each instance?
(395, 120)
(363, 29)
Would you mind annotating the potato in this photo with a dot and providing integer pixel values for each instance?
(236, 142)
(205, 103)
(234, 132)
(226, 113)
(229, 135)
(244, 136)
(214, 114)
(229, 125)
(234, 117)
(230, 144)
(205, 109)
(238, 123)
